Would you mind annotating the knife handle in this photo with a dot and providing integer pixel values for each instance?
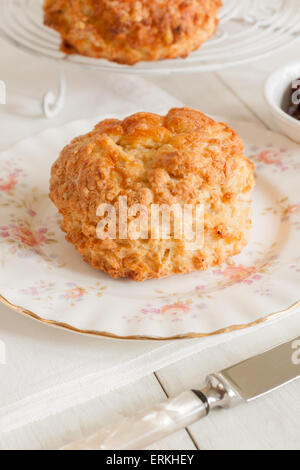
(151, 425)
(147, 426)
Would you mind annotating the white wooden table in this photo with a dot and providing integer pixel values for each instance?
(274, 423)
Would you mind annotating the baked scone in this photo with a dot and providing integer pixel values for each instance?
(130, 31)
(182, 158)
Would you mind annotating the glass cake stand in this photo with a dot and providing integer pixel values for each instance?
(248, 30)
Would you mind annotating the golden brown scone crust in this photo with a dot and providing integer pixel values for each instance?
(130, 31)
(182, 158)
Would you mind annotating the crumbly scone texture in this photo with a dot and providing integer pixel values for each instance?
(130, 31)
(182, 158)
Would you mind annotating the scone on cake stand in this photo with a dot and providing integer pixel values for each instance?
(129, 31)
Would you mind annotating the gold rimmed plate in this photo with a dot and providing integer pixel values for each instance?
(43, 277)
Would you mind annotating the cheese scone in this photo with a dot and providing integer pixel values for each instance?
(184, 158)
(130, 31)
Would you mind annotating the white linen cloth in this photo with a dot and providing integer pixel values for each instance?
(48, 370)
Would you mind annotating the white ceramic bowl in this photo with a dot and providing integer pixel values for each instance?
(277, 90)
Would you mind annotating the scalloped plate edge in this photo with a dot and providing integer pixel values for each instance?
(105, 334)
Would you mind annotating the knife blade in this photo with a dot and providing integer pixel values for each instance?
(264, 373)
(243, 382)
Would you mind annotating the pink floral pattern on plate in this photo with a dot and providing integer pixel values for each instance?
(237, 274)
(25, 240)
(289, 212)
(10, 179)
(69, 292)
(175, 312)
(31, 234)
(278, 159)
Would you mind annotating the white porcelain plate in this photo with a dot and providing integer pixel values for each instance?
(43, 276)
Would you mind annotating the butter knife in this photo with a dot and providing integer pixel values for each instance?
(243, 382)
